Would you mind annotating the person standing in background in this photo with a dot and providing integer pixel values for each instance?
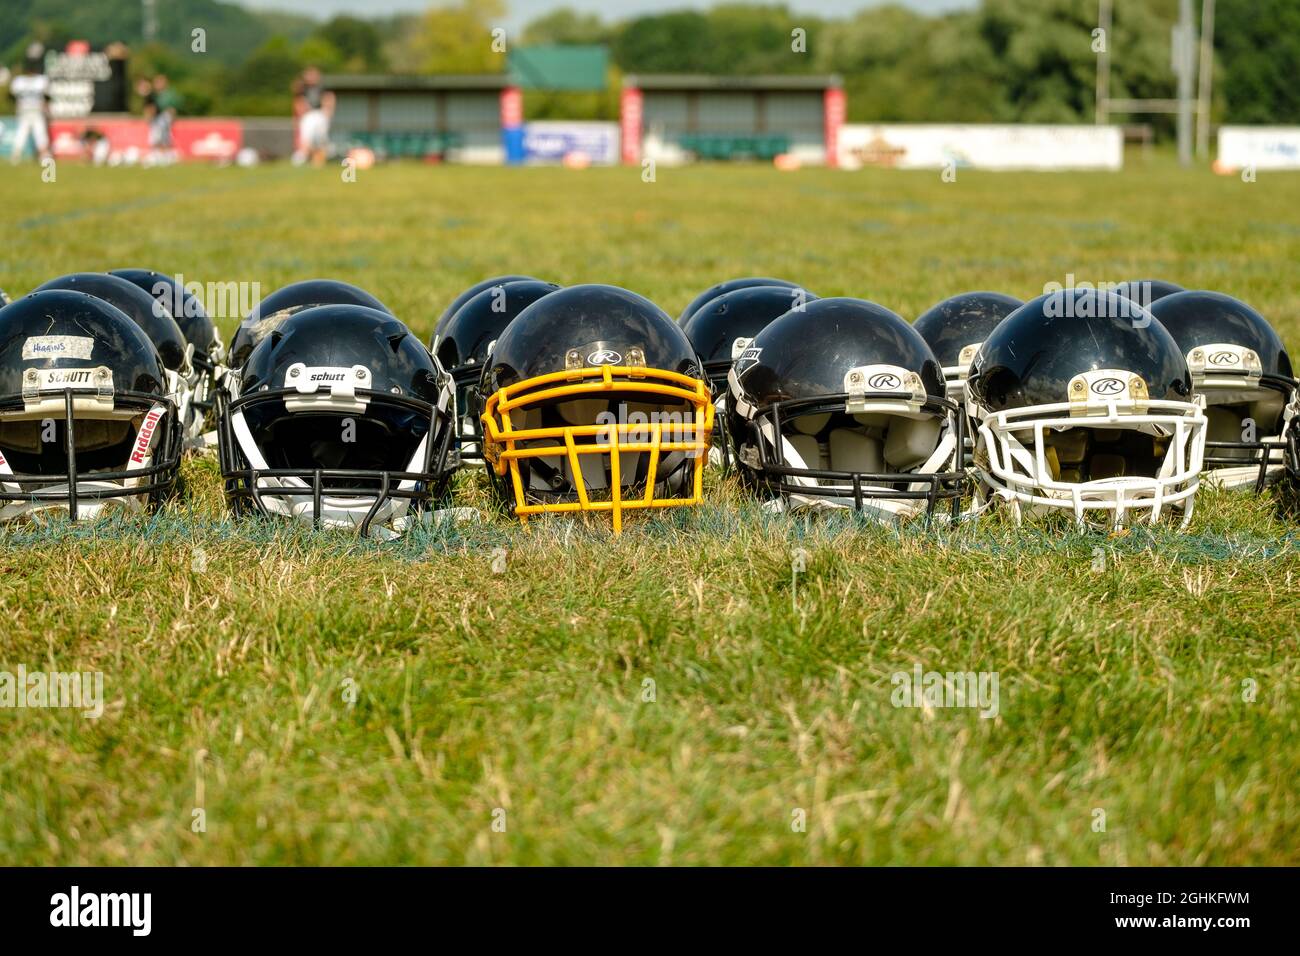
(30, 91)
(164, 103)
(314, 106)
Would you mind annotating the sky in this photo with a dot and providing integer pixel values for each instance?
(522, 11)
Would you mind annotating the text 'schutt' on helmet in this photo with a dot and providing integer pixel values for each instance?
(344, 420)
(469, 293)
(594, 401)
(956, 326)
(1083, 401)
(842, 404)
(86, 419)
(196, 326)
(284, 302)
(731, 285)
(1242, 369)
(157, 322)
(466, 341)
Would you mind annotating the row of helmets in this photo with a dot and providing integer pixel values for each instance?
(327, 408)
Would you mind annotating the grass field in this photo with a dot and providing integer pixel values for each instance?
(670, 697)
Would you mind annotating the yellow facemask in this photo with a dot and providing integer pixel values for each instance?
(506, 445)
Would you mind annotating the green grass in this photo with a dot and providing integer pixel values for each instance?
(228, 649)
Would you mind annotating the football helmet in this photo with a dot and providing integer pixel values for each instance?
(731, 285)
(344, 420)
(956, 326)
(198, 329)
(723, 327)
(1241, 367)
(842, 404)
(158, 324)
(593, 402)
(284, 302)
(465, 343)
(1082, 401)
(87, 419)
(469, 293)
(1146, 291)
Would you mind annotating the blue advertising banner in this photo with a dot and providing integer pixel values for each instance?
(550, 141)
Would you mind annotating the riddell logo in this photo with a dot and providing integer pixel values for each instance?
(1107, 386)
(145, 438)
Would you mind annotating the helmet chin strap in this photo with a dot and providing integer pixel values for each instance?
(141, 458)
(336, 510)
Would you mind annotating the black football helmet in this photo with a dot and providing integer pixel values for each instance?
(594, 401)
(1241, 367)
(464, 345)
(87, 419)
(344, 419)
(195, 324)
(1146, 291)
(157, 322)
(284, 302)
(723, 327)
(1083, 401)
(843, 404)
(956, 326)
(469, 293)
(731, 285)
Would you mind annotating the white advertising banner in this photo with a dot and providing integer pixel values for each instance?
(981, 146)
(1259, 147)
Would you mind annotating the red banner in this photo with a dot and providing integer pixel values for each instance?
(630, 112)
(833, 106)
(512, 107)
(128, 139)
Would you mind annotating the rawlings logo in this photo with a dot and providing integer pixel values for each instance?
(885, 382)
(1225, 358)
(604, 357)
(145, 438)
(1107, 386)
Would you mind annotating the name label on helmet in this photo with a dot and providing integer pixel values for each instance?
(57, 346)
(145, 438)
(327, 386)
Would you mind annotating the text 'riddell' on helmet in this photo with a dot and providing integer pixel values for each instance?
(344, 420)
(594, 402)
(465, 343)
(1082, 401)
(842, 404)
(731, 285)
(87, 422)
(283, 302)
(1242, 370)
(955, 327)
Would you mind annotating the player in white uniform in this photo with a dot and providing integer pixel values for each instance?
(29, 90)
